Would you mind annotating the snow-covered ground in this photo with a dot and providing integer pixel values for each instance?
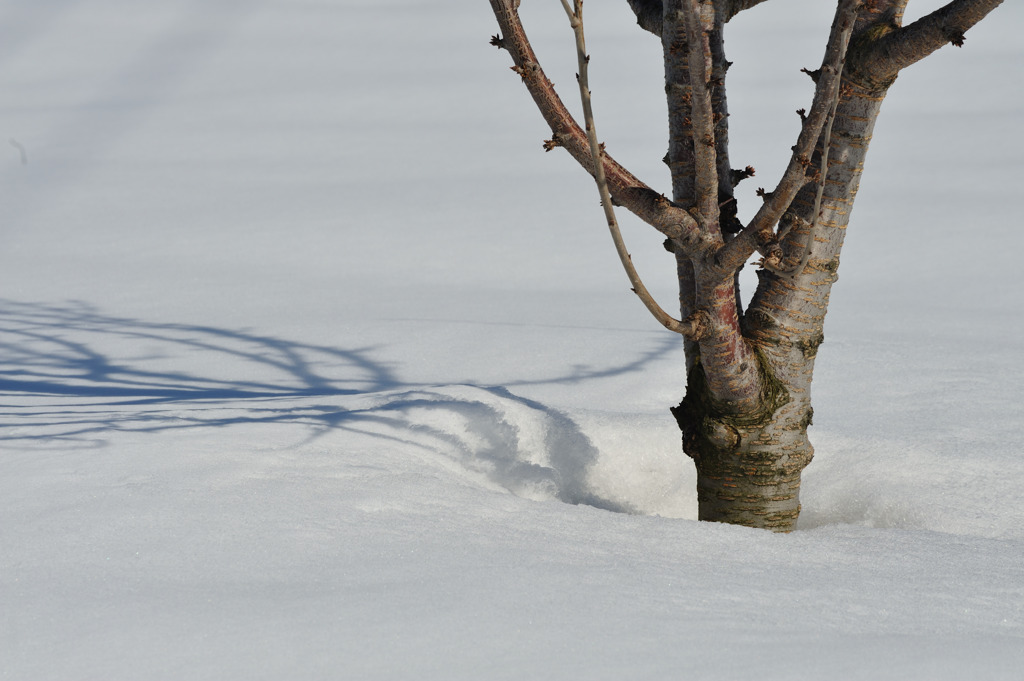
(314, 366)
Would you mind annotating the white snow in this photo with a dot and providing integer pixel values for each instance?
(314, 366)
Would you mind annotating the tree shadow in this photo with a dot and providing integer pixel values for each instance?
(55, 350)
(72, 376)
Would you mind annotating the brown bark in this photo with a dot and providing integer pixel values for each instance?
(748, 398)
(648, 14)
(692, 326)
(697, 20)
(628, 191)
(786, 322)
(759, 232)
(688, 33)
(887, 48)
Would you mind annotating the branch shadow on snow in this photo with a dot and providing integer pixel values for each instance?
(71, 376)
(60, 351)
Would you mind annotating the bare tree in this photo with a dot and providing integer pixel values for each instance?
(747, 406)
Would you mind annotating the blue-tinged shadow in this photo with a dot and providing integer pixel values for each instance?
(44, 350)
(70, 376)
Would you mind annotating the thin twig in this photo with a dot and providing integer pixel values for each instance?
(650, 206)
(692, 327)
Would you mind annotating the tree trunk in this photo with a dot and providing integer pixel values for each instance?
(749, 461)
(748, 398)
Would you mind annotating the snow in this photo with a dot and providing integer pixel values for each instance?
(313, 365)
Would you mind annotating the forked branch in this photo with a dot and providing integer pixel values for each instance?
(759, 232)
(696, 325)
(880, 61)
(626, 190)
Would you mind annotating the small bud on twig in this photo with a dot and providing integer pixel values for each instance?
(772, 257)
(815, 74)
(527, 70)
(738, 176)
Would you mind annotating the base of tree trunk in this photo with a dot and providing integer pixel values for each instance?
(742, 491)
(748, 462)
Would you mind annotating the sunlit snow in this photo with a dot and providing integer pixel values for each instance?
(314, 366)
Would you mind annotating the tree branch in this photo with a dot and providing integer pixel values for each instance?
(648, 14)
(826, 141)
(653, 208)
(728, 219)
(680, 159)
(705, 164)
(879, 61)
(695, 326)
(758, 233)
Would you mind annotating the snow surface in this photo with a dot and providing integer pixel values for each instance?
(314, 366)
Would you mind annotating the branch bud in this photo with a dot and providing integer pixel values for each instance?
(737, 176)
(772, 256)
(700, 325)
(526, 70)
(815, 74)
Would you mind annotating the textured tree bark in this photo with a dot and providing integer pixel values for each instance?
(747, 406)
(749, 462)
(749, 465)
